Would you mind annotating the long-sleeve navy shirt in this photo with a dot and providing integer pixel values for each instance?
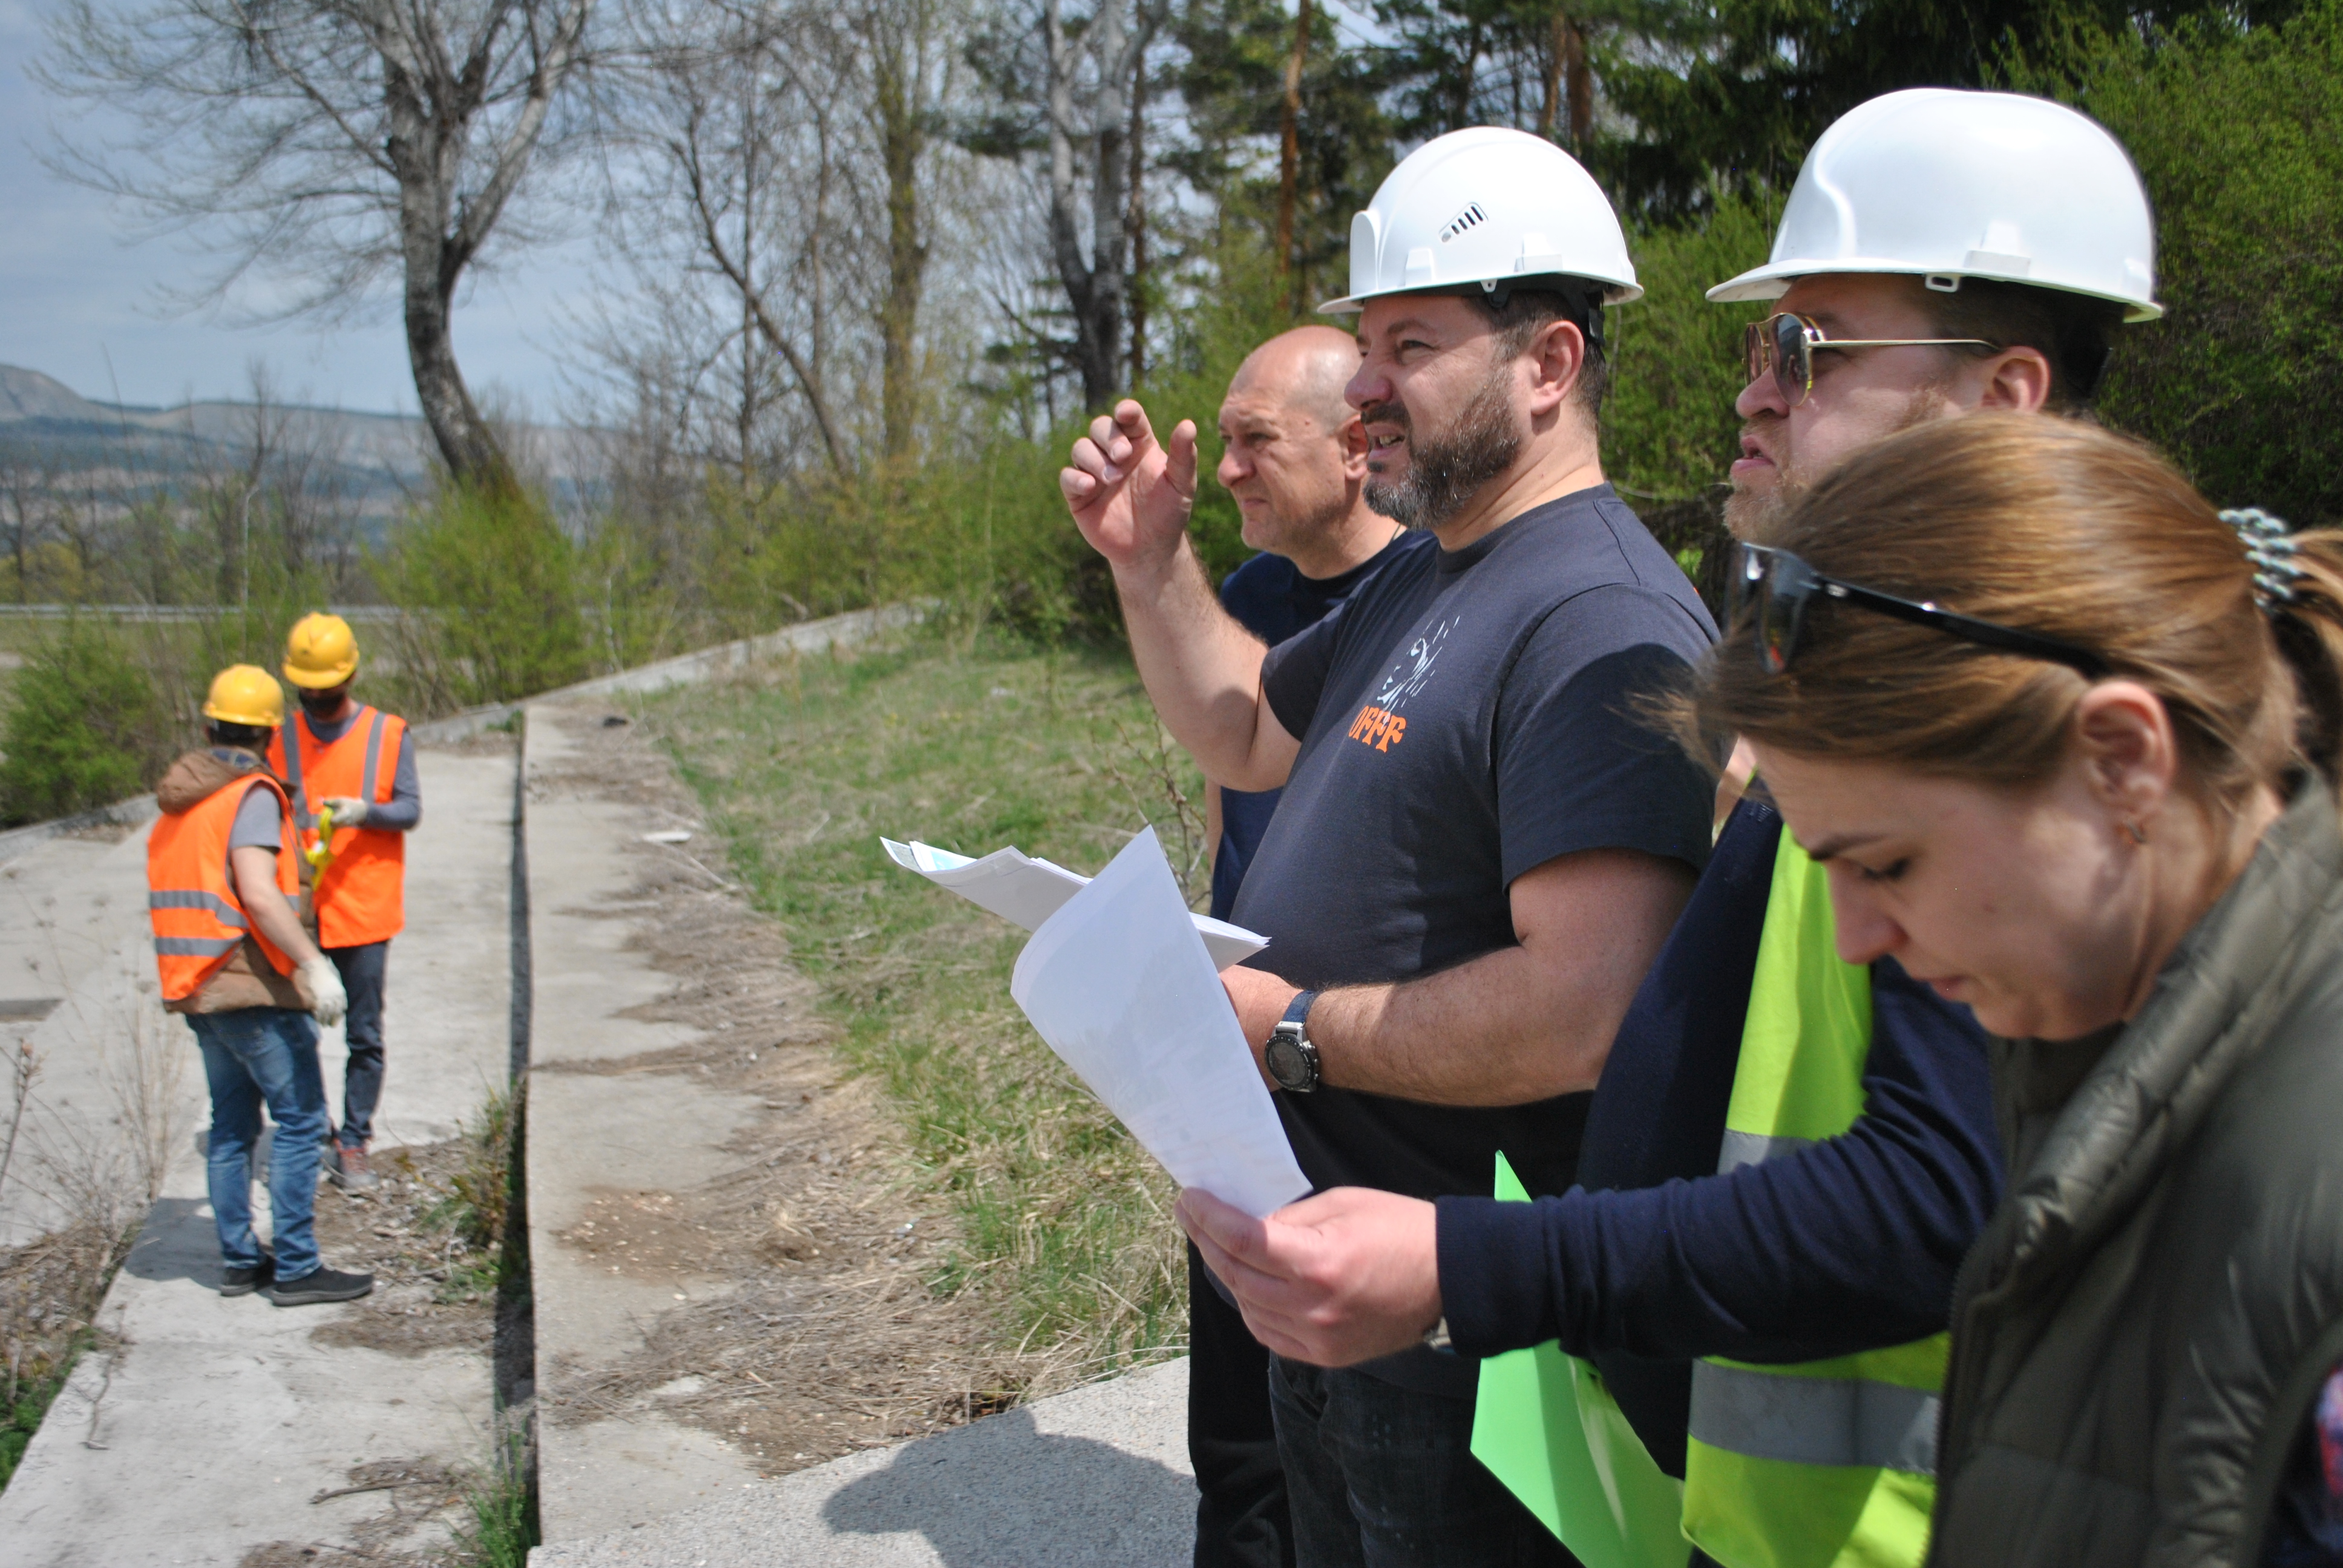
(1654, 1259)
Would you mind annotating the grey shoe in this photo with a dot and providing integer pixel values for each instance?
(351, 1173)
(318, 1285)
(243, 1281)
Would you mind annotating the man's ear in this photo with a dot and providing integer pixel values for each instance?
(1557, 355)
(2016, 379)
(2133, 758)
(1353, 438)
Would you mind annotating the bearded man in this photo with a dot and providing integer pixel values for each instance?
(1480, 847)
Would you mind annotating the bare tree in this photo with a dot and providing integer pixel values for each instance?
(330, 141)
(907, 45)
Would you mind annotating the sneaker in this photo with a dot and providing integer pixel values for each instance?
(350, 1172)
(318, 1285)
(243, 1281)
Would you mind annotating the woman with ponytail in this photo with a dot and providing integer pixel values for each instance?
(2066, 741)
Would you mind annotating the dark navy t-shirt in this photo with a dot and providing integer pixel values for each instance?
(1269, 596)
(1466, 717)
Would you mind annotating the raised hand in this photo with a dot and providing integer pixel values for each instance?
(1341, 1277)
(1129, 494)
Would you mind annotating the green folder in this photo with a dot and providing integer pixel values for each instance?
(1548, 1429)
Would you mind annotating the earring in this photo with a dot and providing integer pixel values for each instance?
(2138, 834)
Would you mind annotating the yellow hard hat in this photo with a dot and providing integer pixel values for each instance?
(321, 652)
(245, 694)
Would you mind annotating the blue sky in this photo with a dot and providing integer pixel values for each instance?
(77, 296)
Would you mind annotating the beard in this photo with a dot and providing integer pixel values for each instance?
(1446, 471)
(1754, 515)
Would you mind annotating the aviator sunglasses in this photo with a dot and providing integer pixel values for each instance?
(1785, 345)
(1778, 585)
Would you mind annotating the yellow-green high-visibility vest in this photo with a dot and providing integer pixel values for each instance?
(1832, 1463)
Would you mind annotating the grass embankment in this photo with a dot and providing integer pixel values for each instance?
(1064, 1224)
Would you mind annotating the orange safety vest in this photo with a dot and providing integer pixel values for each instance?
(361, 893)
(199, 922)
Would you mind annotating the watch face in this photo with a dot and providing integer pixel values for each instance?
(1286, 1062)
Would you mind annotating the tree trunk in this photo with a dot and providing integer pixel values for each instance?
(1289, 158)
(466, 443)
(1569, 84)
(1135, 221)
(902, 73)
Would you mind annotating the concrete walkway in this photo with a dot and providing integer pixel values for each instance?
(1098, 1478)
(593, 1134)
(210, 1427)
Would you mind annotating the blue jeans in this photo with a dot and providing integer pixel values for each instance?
(251, 1056)
(1379, 1476)
(362, 969)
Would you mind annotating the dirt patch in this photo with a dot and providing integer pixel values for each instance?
(414, 1492)
(433, 1291)
(827, 1334)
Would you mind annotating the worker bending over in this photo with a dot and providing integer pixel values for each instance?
(357, 763)
(221, 875)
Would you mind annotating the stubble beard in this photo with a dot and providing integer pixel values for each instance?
(1446, 471)
(1754, 515)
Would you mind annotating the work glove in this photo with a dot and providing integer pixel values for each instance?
(329, 1002)
(347, 809)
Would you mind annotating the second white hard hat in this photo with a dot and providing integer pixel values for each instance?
(1486, 205)
(1947, 185)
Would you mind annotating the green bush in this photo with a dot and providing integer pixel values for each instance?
(86, 728)
(2234, 131)
(490, 587)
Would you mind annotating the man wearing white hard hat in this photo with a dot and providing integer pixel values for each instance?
(1788, 1156)
(1480, 847)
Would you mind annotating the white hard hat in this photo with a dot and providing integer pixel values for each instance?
(1950, 184)
(1486, 205)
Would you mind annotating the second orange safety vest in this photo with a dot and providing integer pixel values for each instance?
(360, 896)
(191, 898)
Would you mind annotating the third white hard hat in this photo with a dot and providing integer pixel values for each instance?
(1486, 205)
(1947, 185)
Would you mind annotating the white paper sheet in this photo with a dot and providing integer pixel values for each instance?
(1027, 890)
(1119, 985)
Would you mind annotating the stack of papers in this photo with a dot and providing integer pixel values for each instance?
(1026, 891)
(1122, 982)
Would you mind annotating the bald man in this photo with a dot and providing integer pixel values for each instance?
(1295, 459)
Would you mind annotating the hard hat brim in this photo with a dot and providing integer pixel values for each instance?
(320, 680)
(1774, 280)
(1613, 293)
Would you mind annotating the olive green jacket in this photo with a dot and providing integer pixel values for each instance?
(2139, 1333)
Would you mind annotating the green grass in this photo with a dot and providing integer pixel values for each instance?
(504, 1524)
(33, 1390)
(1064, 1223)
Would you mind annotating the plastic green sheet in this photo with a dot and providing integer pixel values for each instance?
(1548, 1429)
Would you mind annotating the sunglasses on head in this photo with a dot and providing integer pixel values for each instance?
(1776, 587)
(1783, 345)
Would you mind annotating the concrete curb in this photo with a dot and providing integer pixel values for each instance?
(1097, 1476)
(690, 668)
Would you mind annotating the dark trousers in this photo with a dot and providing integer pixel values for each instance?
(1240, 1513)
(362, 970)
(1384, 1477)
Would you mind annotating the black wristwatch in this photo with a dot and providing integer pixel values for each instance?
(1292, 1060)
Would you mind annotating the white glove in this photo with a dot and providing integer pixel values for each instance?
(330, 1002)
(348, 810)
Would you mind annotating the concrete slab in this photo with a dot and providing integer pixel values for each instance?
(1094, 1477)
(208, 1426)
(214, 1424)
(595, 1129)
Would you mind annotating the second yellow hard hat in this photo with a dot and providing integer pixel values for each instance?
(245, 694)
(321, 652)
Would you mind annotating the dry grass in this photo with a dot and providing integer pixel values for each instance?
(1061, 1231)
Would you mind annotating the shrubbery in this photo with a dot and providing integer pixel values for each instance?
(85, 727)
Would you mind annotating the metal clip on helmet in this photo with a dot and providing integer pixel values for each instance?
(1947, 185)
(1488, 207)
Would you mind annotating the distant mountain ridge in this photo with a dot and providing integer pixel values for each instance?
(393, 451)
